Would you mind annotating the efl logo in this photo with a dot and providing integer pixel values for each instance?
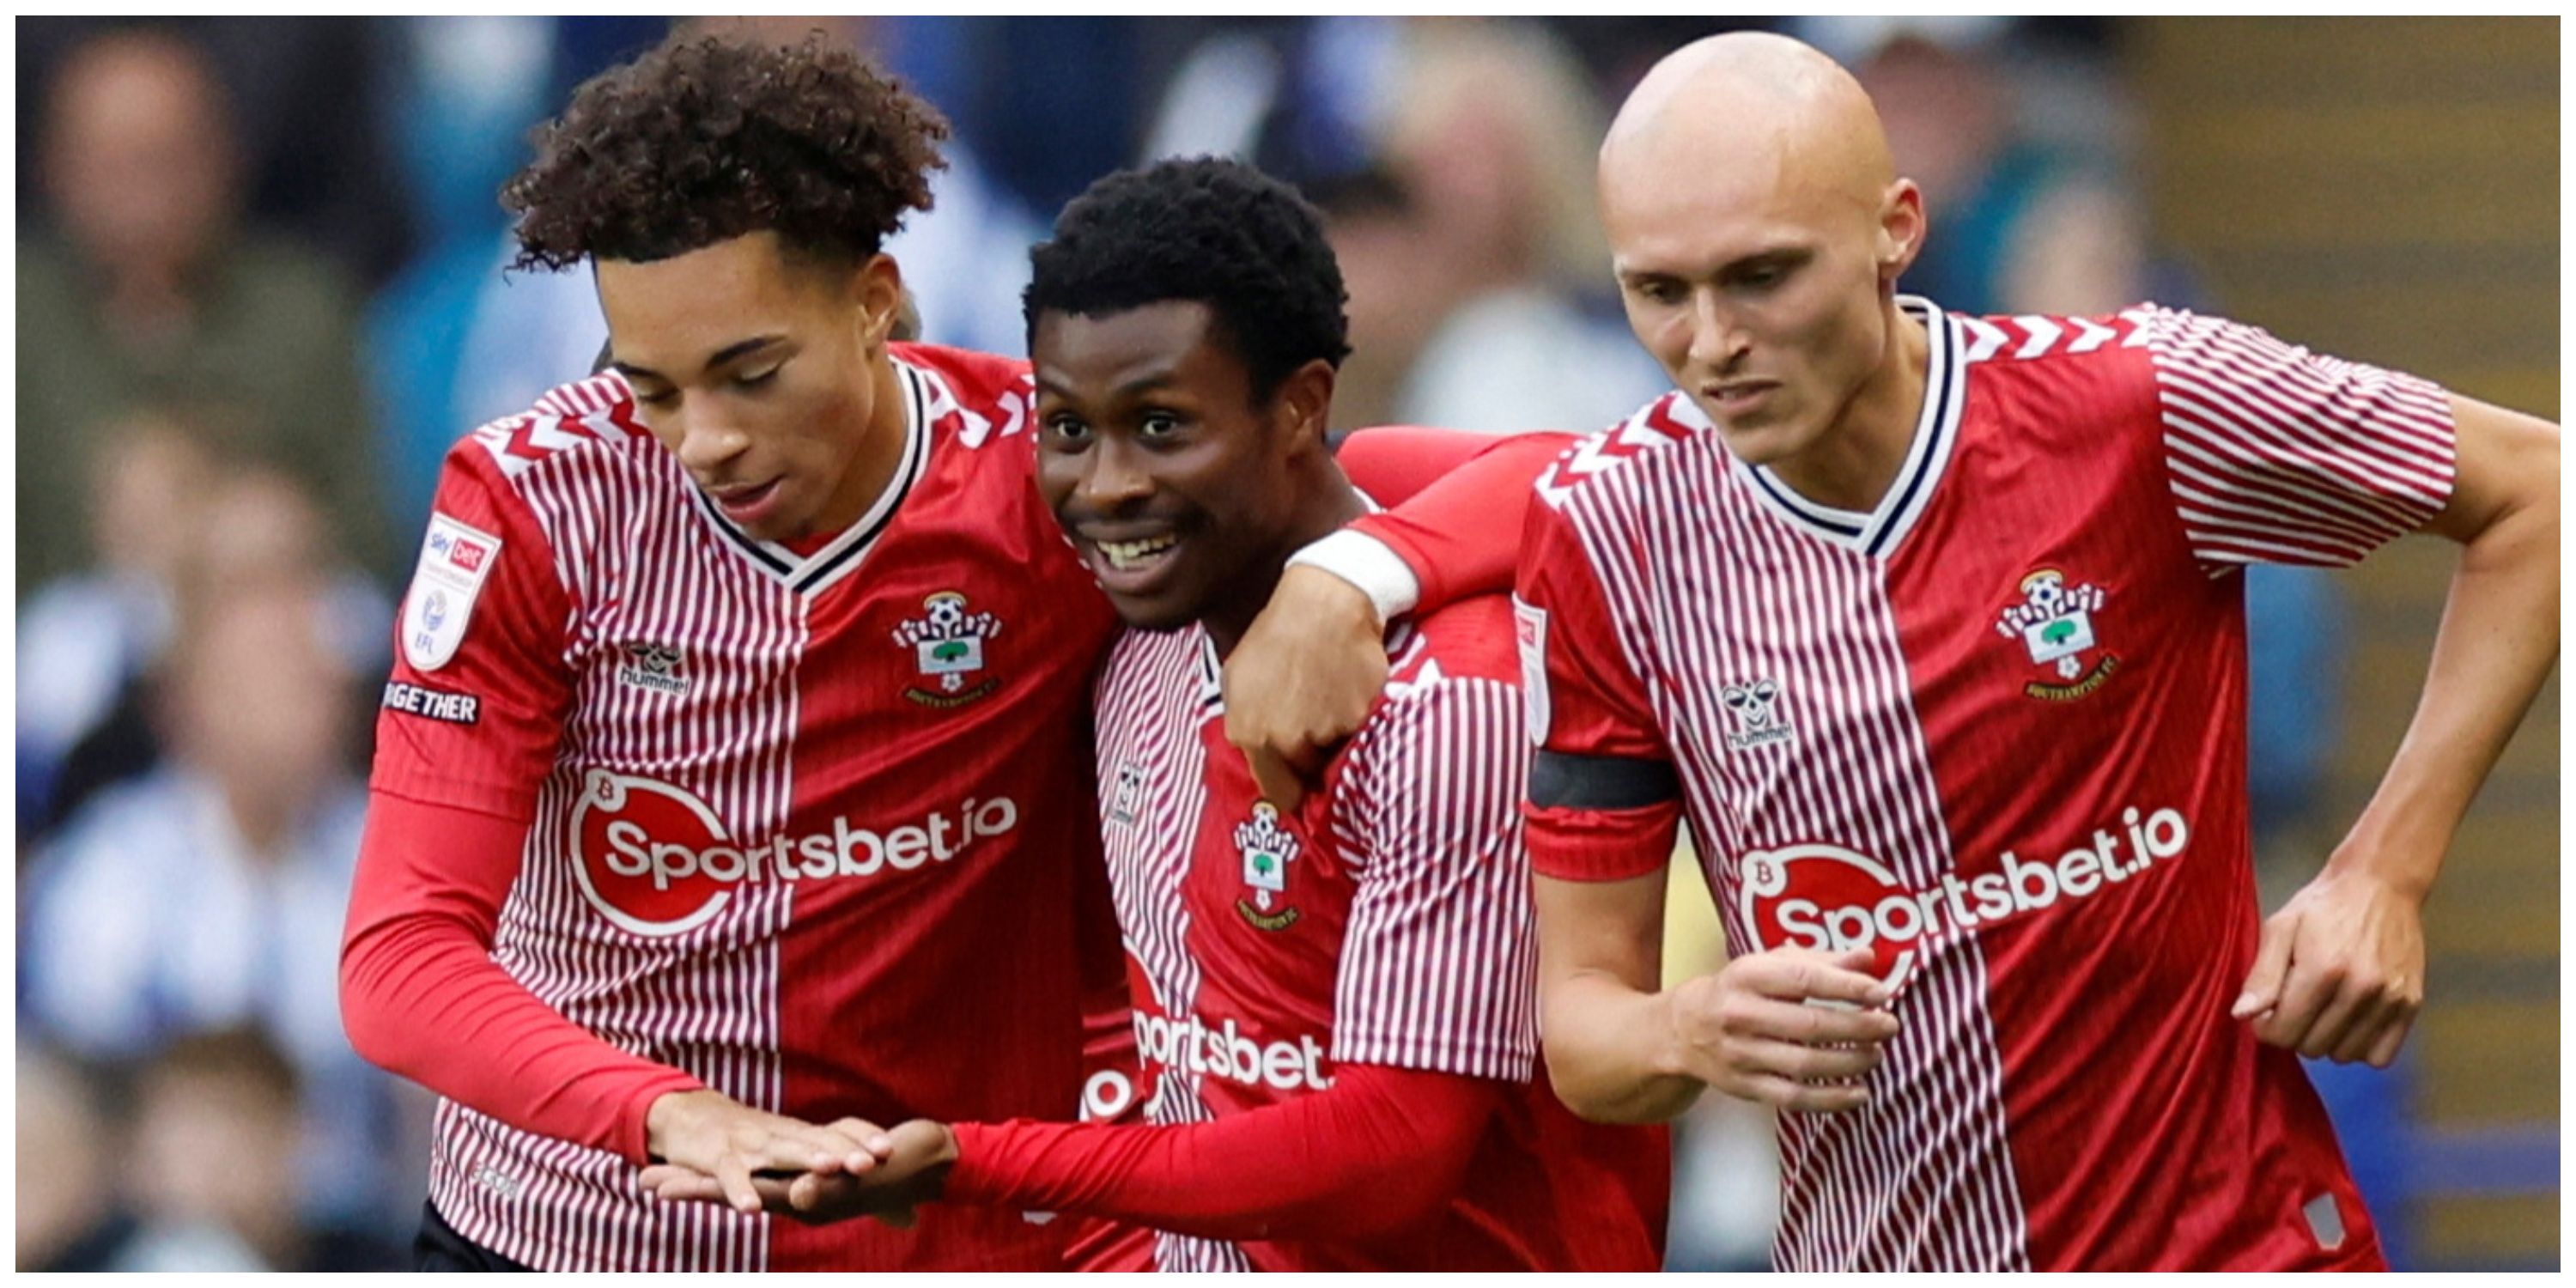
(1832, 899)
(654, 860)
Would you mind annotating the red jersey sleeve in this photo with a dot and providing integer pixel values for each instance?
(1378, 1150)
(471, 721)
(2278, 454)
(421, 996)
(1604, 803)
(1454, 497)
(475, 708)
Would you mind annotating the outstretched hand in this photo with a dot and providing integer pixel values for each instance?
(1304, 677)
(727, 1141)
(913, 1171)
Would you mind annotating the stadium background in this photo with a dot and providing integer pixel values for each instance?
(259, 291)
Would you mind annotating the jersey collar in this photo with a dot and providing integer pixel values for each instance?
(1876, 532)
(810, 574)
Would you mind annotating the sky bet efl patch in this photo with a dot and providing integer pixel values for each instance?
(454, 562)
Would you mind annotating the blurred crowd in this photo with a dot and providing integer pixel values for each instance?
(260, 292)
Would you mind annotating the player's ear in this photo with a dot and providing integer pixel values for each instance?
(1901, 226)
(1305, 402)
(883, 304)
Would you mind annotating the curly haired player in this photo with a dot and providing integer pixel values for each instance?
(732, 778)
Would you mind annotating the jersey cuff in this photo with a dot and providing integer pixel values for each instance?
(1601, 845)
(1368, 564)
(1564, 780)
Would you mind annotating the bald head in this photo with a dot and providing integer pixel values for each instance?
(1747, 109)
(1757, 229)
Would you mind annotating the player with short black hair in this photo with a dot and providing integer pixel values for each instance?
(1208, 230)
(1332, 999)
(730, 787)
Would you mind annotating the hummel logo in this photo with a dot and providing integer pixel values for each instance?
(1756, 724)
(655, 667)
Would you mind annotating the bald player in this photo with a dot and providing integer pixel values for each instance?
(1933, 627)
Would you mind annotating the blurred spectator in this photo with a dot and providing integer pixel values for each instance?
(150, 294)
(2024, 222)
(1493, 139)
(71, 1215)
(210, 892)
(218, 1143)
(83, 639)
(307, 113)
(171, 521)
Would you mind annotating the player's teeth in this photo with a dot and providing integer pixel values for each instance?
(1125, 553)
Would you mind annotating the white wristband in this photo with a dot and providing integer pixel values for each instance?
(1368, 564)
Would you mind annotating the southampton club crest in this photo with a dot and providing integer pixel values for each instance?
(2054, 621)
(947, 641)
(1267, 849)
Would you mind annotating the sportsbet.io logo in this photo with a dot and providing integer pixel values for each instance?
(655, 861)
(1832, 899)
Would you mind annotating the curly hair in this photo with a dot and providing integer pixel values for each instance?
(1214, 231)
(707, 139)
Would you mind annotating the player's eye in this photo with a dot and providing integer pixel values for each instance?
(657, 399)
(1658, 291)
(755, 382)
(1066, 431)
(1159, 425)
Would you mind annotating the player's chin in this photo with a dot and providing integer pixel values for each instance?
(1164, 610)
(1763, 440)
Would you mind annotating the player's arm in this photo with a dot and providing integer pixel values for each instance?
(1379, 1150)
(2340, 971)
(472, 719)
(1604, 811)
(1311, 666)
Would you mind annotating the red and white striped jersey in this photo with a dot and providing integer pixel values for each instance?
(806, 825)
(1994, 730)
(1385, 921)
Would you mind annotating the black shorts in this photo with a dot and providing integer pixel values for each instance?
(441, 1248)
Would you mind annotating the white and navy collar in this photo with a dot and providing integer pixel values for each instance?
(1876, 532)
(811, 574)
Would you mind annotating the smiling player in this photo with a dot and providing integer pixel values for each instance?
(1333, 1001)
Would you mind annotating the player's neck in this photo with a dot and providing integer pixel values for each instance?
(1325, 504)
(1853, 463)
(880, 455)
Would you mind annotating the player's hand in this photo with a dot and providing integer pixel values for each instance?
(2340, 970)
(1749, 1031)
(721, 1138)
(1303, 678)
(915, 1172)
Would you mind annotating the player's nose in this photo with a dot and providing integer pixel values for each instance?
(706, 444)
(1716, 342)
(1114, 477)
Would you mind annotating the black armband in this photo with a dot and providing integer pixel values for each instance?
(1559, 780)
